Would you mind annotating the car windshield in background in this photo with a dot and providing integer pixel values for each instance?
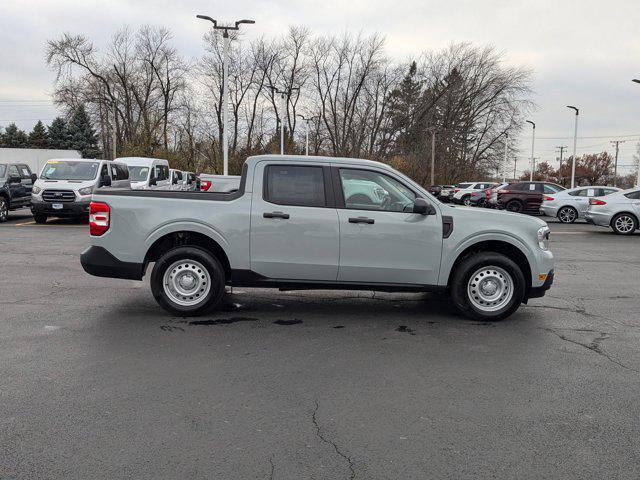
(138, 174)
(55, 170)
(3, 170)
(463, 185)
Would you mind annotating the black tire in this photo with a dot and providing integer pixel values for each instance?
(4, 210)
(460, 281)
(466, 200)
(624, 224)
(216, 276)
(514, 206)
(39, 218)
(567, 214)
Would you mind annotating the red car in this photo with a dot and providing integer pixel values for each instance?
(525, 196)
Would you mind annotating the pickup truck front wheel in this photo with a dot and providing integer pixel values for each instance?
(488, 286)
(188, 281)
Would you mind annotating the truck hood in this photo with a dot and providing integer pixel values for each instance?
(64, 184)
(492, 218)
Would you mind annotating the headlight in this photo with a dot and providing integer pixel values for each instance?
(543, 238)
(86, 191)
(36, 190)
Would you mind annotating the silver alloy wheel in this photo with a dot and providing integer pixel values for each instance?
(567, 215)
(624, 224)
(490, 289)
(467, 200)
(186, 282)
(4, 212)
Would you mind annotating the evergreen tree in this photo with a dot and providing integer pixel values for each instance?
(13, 137)
(38, 137)
(58, 133)
(402, 110)
(83, 135)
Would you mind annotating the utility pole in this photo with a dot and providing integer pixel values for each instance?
(225, 84)
(575, 143)
(533, 163)
(533, 143)
(515, 162)
(284, 97)
(615, 165)
(562, 149)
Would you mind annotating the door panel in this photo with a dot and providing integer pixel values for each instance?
(384, 242)
(293, 242)
(396, 248)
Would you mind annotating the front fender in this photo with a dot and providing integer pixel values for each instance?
(453, 250)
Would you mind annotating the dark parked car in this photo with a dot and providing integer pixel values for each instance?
(435, 190)
(16, 181)
(525, 196)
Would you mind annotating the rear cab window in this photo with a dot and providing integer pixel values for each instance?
(302, 186)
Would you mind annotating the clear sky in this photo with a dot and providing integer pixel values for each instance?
(582, 52)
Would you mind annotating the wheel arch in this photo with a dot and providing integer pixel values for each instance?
(184, 238)
(502, 246)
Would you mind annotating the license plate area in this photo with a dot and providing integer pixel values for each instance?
(57, 206)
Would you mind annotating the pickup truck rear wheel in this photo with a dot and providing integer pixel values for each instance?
(488, 286)
(188, 281)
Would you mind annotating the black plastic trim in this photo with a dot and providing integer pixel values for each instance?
(447, 226)
(249, 278)
(99, 262)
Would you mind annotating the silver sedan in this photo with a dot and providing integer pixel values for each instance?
(571, 205)
(620, 211)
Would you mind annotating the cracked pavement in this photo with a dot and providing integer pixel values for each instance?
(98, 382)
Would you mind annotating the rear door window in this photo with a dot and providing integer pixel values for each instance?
(633, 195)
(13, 171)
(295, 185)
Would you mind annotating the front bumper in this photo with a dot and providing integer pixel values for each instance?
(69, 209)
(99, 262)
(537, 292)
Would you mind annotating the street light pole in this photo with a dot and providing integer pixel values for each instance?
(284, 98)
(635, 80)
(306, 132)
(575, 144)
(533, 144)
(225, 83)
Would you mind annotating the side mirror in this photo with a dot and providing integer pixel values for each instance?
(152, 181)
(34, 177)
(422, 207)
(105, 181)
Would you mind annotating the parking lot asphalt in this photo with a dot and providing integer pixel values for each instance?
(98, 382)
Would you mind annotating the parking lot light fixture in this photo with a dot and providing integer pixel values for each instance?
(533, 144)
(636, 80)
(306, 132)
(225, 83)
(575, 143)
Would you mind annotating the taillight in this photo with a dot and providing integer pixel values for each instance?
(547, 198)
(456, 190)
(204, 185)
(99, 217)
(595, 201)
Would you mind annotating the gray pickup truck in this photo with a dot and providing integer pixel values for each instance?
(317, 223)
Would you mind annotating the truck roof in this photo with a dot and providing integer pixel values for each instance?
(142, 161)
(315, 159)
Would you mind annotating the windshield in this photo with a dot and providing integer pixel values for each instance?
(3, 169)
(138, 174)
(55, 170)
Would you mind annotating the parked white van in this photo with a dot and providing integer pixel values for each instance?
(147, 173)
(177, 179)
(65, 186)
